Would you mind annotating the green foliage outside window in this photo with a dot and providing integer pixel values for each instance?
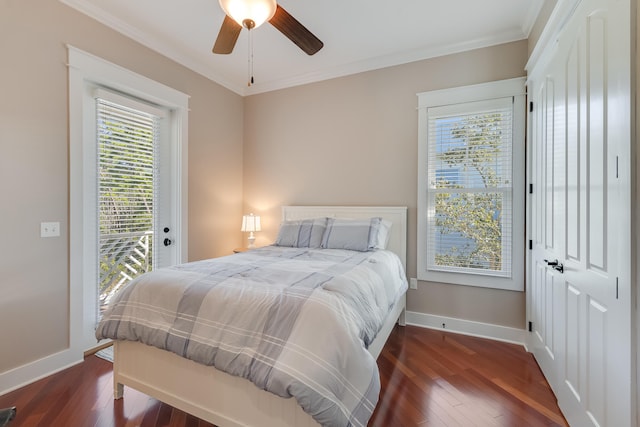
(125, 167)
(471, 221)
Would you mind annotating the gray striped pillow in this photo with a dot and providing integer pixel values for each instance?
(353, 234)
(306, 233)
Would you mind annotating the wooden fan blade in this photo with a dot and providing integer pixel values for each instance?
(295, 31)
(227, 36)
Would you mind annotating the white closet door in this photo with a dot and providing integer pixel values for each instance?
(580, 307)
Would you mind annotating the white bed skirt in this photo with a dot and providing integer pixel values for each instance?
(213, 395)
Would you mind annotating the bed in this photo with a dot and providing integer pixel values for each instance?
(229, 400)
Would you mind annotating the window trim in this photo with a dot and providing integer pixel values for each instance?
(480, 92)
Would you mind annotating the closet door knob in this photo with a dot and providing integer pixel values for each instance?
(557, 266)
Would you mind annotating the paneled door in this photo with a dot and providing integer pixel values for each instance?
(580, 273)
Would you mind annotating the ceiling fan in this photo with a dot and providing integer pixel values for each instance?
(251, 14)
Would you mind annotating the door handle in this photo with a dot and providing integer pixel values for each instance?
(557, 266)
(167, 241)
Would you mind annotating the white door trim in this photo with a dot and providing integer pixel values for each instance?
(84, 69)
(87, 71)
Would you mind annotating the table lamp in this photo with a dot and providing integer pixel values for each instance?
(251, 223)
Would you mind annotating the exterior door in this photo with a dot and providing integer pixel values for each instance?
(132, 206)
(580, 271)
(92, 78)
(134, 217)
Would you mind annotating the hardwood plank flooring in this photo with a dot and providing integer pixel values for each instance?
(429, 378)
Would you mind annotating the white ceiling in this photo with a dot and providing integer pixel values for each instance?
(358, 35)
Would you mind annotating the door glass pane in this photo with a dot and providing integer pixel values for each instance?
(127, 141)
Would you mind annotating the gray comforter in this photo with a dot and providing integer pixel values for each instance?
(295, 322)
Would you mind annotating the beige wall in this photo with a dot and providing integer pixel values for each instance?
(635, 188)
(353, 140)
(34, 165)
(541, 21)
(350, 140)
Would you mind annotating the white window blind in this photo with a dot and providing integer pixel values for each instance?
(127, 191)
(126, 161)
(470, 187)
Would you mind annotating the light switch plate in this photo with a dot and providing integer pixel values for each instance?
(413, 283)
(49, 229)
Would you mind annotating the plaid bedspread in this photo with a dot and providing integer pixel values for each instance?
(295, 322)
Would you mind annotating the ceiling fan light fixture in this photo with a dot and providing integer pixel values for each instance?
(257, 11)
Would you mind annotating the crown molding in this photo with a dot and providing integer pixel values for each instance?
(385, 62)
(146, 40)
(205, 70)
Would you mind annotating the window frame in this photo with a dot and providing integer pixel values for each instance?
(461, 95)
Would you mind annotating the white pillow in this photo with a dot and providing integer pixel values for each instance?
(384, 232)
(304, 233)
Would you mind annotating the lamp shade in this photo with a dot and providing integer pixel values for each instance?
(257, 11)
(251, 223)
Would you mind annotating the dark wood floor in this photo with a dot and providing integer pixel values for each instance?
(435, 378)
(429, 378)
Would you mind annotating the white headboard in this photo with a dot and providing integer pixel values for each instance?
(396, 214)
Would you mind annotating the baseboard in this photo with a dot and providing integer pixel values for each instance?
(467, 327)
(33, 371)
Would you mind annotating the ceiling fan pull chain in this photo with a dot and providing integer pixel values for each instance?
(250, 65)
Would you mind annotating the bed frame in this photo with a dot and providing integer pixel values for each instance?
(226, 400)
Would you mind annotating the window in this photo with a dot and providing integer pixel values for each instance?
(471, 185)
